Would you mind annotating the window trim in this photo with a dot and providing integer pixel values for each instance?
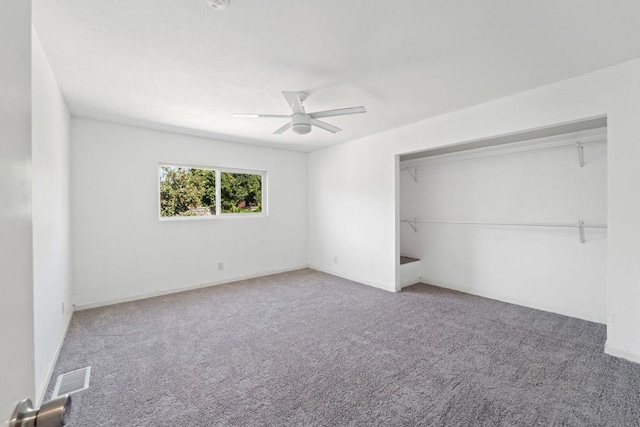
(219, 214)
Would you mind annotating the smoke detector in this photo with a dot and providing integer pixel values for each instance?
(219, 4)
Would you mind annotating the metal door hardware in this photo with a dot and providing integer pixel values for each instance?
(54, 413)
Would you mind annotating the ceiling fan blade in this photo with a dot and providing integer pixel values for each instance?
(294, 101)
(338, 112)
(260, 116)
(283, 129)
(325, 126)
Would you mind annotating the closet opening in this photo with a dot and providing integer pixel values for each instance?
(521, 218)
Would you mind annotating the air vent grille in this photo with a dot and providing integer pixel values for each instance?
(219, 4)
(72, 382)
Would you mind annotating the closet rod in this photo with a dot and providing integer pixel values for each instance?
(518, 224)
(451, 159)
(580, 225)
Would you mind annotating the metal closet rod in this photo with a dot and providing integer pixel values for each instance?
(580, 225)
(452, 159)
(519, 224)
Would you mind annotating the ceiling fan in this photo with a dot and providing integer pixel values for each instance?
(300, 121)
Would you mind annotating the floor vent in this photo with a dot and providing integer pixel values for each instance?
(72, 382)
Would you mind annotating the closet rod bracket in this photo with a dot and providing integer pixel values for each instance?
(414, 174)
(580, 149)
(581, 231)
(413, 224)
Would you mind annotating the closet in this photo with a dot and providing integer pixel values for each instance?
(520, 218)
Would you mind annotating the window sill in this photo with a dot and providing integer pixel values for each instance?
(213, 217)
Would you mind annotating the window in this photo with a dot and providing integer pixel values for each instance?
(240, 192)
(187, 191)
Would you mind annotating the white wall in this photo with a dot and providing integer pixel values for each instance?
(122, 250)
(51, 232)
(545, 268)
(16, 304)
(347, 197)
(359, 216)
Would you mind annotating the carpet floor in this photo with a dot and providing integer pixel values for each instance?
(309, 349)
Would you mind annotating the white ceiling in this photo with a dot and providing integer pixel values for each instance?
(181, 65)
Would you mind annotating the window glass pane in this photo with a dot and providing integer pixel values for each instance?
(187, 191)
(240, 192)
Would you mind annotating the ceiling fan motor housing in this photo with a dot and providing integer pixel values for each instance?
(301, 124)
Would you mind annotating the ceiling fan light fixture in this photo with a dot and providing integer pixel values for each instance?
(301, 128)
(301, 124)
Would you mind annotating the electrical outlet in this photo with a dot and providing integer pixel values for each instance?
(220, 266)
(335, 259)
(62, 306)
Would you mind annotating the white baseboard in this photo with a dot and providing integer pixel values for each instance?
(353, 279)
(623, 353)
(94, 304)
(42, 390)
(511, 299)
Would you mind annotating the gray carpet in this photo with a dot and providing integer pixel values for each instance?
(306, 349)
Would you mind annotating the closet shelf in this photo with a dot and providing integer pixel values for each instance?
(580, 225)
(407, 260)
(444, 159)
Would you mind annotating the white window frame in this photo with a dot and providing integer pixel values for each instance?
(219, 214)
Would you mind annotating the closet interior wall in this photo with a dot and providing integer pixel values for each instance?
(536, 181)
